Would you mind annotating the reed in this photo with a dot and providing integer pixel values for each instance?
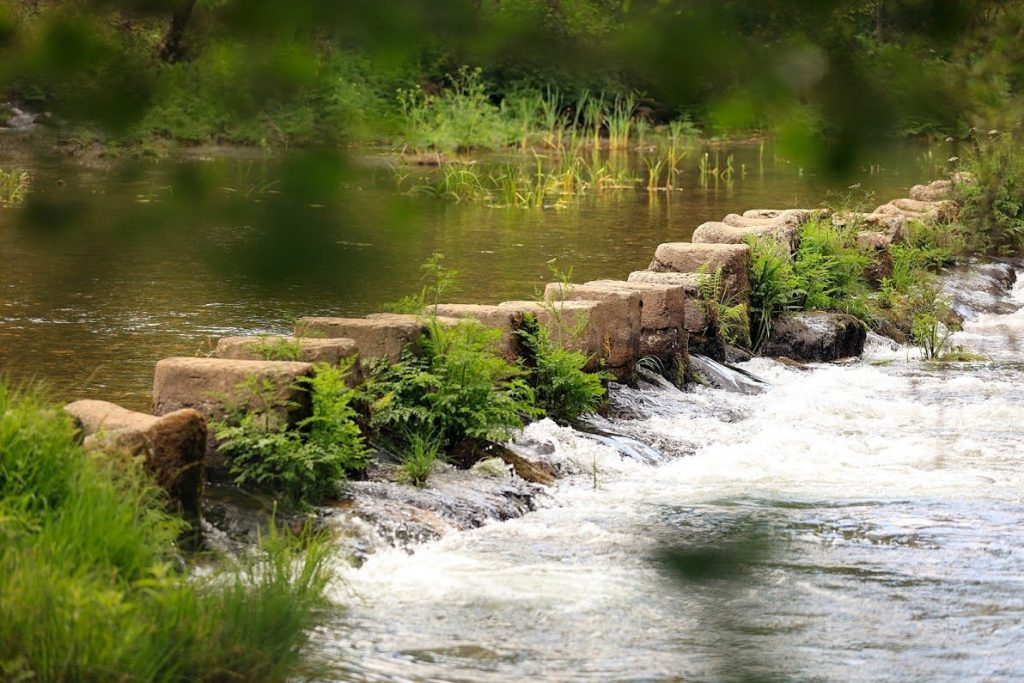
(13, 187)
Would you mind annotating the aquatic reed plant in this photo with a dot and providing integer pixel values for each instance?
(619, 120)
(655, 166)
(13, 187)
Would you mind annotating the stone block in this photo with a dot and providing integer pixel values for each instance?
(617, 321)
(686, 257)
(694, 317)
(173, 447)
(378, 336)
(934, 191)
(737, 230)
(216, 386)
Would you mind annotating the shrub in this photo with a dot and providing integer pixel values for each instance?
(773, 286)
(561, 387)
(932, 320)
(726, 316)
(829, 269)
(457, 388)
(993, 200)
(91, 589)
(306, 465)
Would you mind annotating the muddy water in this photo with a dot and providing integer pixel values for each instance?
(115, 264)
(888, 495)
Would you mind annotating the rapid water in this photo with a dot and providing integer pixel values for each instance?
(890, 492)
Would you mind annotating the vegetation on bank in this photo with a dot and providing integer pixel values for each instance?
(273, 74)
(92, 586)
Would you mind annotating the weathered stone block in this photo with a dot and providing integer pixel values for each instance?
(377, 336)
(619, 318)
(173, 447)
(686, 257)
(694, 317)
(802, 215)
(934, 191)
(737, 230)
(602, 329)
(944, 210)
(215, 386)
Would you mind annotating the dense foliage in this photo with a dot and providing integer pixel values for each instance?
(266, 73)
(562, 389)
(993, 202)
(457, 387)
(90, 588)
(308, 464)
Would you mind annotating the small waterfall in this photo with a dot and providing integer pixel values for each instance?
(727, 377)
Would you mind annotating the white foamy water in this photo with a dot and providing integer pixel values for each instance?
(891, 492)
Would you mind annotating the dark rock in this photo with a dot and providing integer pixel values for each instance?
(816, 336)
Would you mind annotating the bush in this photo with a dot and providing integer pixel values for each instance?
(993, 201)
(90, 587)
(457, 388)
(773, 285)
(726, 316)
(561, 388)
(306, 465)
(829, 269)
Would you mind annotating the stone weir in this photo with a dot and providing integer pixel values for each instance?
(659, 313)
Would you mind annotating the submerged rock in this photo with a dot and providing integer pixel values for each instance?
(816, 336)
(380, 514)
(975, 288)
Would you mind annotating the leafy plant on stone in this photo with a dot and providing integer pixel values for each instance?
(773, 286)
(458, 388)
(829, 268)
(726, 315)
(561, 387)
(306, 465)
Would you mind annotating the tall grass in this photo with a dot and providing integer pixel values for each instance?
(13, 187)
(993, 199)
(90, 581)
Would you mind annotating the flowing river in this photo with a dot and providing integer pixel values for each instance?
(887, 494)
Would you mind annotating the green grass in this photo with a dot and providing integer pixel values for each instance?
(993, 202)
(90, 583)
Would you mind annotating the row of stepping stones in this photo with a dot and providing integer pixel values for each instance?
(654, 312)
